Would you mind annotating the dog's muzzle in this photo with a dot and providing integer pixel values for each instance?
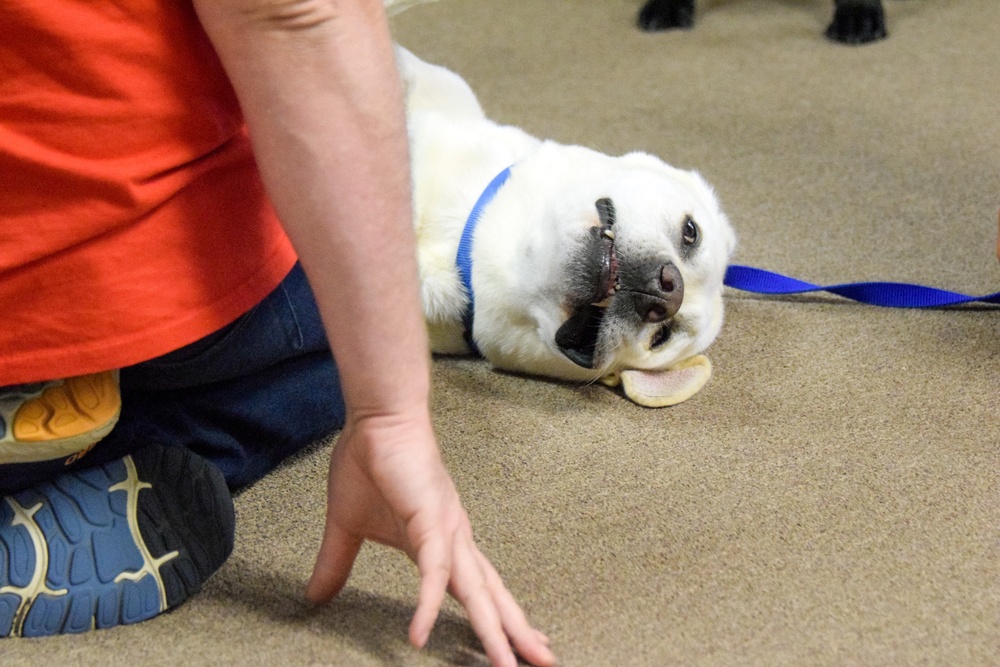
(632, 293)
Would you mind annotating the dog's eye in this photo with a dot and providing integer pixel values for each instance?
(691, 232)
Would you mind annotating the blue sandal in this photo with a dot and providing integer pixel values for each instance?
(113, 544)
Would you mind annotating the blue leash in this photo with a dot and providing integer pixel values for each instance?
(885, 294)
(464, 259)
(746, 278)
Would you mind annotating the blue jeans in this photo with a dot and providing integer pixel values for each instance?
(244, 397)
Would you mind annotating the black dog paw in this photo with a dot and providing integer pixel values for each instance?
(666, 15)
(857, 22)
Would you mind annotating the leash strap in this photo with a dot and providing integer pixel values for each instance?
(464, 259)
(884, 294)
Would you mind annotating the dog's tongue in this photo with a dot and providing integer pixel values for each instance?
(659, 389)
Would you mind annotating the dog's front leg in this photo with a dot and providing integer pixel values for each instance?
(857, 22)
(666, 14)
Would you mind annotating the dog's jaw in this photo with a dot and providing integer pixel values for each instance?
(595, 284)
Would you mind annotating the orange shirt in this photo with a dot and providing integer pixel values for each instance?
(132, 216)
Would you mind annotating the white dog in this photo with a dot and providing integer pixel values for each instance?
(578, 266)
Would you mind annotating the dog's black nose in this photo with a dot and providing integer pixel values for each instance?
(663, 294)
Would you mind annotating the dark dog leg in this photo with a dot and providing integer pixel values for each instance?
(857, 22)
(666, 14)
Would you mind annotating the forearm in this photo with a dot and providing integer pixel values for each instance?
(318, 85)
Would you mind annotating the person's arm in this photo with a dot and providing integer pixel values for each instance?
(318, 85)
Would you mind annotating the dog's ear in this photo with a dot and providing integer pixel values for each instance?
(659, 389)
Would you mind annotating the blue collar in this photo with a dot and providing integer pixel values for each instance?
(464, 259)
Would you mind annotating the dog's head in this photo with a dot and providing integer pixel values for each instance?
(591, 268)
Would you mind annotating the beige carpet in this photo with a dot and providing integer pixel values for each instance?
(832, 496)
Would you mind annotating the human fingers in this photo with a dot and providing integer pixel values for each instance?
(434, 564)
(531, 644)
(337, 553)
(468, 586)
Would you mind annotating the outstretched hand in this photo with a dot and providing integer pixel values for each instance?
(388, 483)
(320, 90)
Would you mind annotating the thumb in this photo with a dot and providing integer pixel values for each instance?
(333, 564)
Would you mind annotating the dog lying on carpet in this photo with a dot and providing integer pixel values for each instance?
(854, 21)
(583, 267)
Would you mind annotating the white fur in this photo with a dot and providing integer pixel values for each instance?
(528, 234)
